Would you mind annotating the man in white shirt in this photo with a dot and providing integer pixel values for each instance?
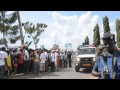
(42, 62)
(26, 61)
(46, 61)
(3, 55)
(52, 60)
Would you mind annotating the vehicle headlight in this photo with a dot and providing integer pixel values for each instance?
(94, 59)
(78, 59)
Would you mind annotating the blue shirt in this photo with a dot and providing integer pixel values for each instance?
(99, 65)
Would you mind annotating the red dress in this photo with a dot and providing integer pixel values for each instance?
(20, 58)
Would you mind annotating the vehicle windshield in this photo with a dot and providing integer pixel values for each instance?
(86, 51)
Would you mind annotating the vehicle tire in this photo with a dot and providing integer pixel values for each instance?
(77, 69)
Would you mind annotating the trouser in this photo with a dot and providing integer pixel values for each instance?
(46, 66)
(2, 72)
(69, 61)
(65, 63)
(31, 66)
(49, 62)
(12, 71)
(26, 66)
(52, 66)
(8, 70)
(20, 68)
(60, 62)
(15, 66)
(36, 68)
(42, 67)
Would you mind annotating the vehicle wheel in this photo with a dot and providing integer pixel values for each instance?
(77, 69)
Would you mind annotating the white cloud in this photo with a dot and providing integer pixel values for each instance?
(70, 29)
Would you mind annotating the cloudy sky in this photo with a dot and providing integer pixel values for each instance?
(68, 26)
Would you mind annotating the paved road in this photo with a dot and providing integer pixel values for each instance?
(68, 73)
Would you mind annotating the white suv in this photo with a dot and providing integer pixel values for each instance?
(85, 57)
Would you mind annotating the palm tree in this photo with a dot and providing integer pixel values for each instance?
(34, 31)
(7, 28)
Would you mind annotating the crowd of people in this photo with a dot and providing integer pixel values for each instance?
(21, 61)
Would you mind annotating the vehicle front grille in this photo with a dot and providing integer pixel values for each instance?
(86, 59)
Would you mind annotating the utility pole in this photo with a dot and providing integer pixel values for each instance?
(20, 27)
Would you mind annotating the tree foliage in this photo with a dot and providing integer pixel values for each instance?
(8, 27)
(106, 24)
(34, 30)
(96, 37)
(118, 32)
(87, 40)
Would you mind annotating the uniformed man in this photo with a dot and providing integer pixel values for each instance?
(107, 65)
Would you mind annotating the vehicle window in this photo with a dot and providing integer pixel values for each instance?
(86, 51)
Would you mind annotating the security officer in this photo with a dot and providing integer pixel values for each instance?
(107, 65)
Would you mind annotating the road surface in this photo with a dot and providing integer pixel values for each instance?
(68, 73)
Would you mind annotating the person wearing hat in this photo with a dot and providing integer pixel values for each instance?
(107, 65)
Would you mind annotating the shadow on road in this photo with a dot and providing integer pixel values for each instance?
(87, 71)
(64, 70)
(31, 76)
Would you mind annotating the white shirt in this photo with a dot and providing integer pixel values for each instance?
(65, 56)
(56, 56)
(52, 57)
(42, 58)
(26, 55)
(46, 54)
(3, 55)
(61, 56)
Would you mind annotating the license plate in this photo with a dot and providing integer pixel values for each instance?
(88, 65)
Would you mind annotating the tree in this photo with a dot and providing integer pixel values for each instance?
(34, 31)
(87, 40)
(8, 28)
(118, 32)
(106, 24)
(96, 37)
